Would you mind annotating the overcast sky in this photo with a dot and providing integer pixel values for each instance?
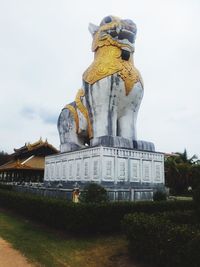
(45, 47)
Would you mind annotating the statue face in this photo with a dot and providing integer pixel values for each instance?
(122, 31)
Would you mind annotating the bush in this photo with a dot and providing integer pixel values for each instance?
(82, 217)
(196, 196)
(179, 217)
(94, 193)
(6, 186)
(157, 241)
(159, 196)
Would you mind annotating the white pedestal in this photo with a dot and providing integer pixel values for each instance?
(114, 168)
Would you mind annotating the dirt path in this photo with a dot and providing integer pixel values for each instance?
(10, 257)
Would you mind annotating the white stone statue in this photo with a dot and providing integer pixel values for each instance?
(106, 107)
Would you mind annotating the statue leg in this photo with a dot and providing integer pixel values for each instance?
(127, 125)
(127, 119)
(128, 111)
(101, 103)
(128, 131)
(69, 140)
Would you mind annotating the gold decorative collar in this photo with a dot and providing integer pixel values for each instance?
(108, 61)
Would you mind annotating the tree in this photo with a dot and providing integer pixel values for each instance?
(195, 175)
(182, 172)
(4, 157)
(183, 158)
(94, 193)
(159, 196)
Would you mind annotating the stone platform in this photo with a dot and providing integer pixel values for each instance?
(116, 169)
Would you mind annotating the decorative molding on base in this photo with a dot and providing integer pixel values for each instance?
(111, 167)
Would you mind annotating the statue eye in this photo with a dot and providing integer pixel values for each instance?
(107, 19)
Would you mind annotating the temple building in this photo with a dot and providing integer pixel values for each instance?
(27, 163)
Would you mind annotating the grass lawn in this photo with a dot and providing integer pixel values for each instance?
(180, 198)
(47, 247)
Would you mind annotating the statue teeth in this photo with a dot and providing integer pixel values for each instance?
(118, 30)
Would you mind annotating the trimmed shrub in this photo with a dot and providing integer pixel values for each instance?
(6, 186)
(192, 250)
(82, 217)
(159, 196)
(187, 217)
(157, 241)
(196, 197)
(94, 193)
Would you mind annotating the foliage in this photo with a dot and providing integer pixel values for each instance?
(179, 217)
(196, 198)
(159, 196)
(182, 173)
(82, 218)
(195, 174)
(4, 157)
(157, 240)
(6, 186)
(94, 193)
(183, 158)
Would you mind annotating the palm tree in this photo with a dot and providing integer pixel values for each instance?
(171, 173)
(183, 157)
(179, 171)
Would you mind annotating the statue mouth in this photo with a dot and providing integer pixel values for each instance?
(123, 35)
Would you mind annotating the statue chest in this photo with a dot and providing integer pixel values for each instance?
(108, 61)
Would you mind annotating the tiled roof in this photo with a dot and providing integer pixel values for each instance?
(34, 146)
(31, 163)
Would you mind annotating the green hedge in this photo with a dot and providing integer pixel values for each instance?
(156, 240)
(188, 217)
(82, 218)
(159, 196)
(196, 198)
(6, 186)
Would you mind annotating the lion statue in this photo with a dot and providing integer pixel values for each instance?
(105, 108)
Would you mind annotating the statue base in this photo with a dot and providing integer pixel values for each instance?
(120, 142)
(119, 170)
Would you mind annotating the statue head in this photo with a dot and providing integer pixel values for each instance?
(114, 31)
